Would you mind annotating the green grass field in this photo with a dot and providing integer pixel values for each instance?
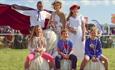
(13, 59)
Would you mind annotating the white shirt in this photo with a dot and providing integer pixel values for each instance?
(34, 20)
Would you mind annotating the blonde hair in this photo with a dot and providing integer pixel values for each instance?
(41, 40)
(33, 31)
(94, 29)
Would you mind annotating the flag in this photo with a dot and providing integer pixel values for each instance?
(113, 18)
(10, 17)
(16, 20)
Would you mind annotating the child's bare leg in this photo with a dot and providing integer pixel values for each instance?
(84, 62)
(51, 65)
(105, 59)
(29, 58)
(26, 65)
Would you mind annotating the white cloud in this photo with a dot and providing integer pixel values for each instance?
(30, 1)
(113, 2)
(95, 2)
(85, 2)
(107, 2)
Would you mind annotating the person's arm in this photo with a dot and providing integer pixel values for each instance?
(83, 28)
(28, 12)
(61, 53)
(70, 28)
(71, 46)
(87, 48)
(47, 18)
(44, 45)
(63, 20)
(48, 15)
(51, 22)
(59, 45)
(99, 48)
(23, 10)
(30, 46)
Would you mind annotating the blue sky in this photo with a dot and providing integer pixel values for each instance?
(100, 10)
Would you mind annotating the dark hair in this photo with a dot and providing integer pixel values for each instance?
(39, 2)
(70, 14)
(72, 7)
(64, 30)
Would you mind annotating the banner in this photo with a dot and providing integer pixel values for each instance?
(113, 18)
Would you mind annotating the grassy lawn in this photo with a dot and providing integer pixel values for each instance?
(109, 52)
(13, 59)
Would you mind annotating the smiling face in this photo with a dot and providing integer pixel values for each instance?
(64, 34)
(38, 31)
(75, 11)
(93, 32)
(57, 6)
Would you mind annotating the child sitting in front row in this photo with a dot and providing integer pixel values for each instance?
(37, 44)
(64, 47)
(93, 50)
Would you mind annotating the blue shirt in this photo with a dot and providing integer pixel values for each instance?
(97, 50)
(65, 46)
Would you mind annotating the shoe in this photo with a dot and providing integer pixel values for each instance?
(26, 69)
(72, 69)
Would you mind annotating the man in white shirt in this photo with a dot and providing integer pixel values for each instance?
(37, 17)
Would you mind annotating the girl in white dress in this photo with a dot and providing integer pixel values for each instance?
(37, 45)
(57, 19)
(76, 27)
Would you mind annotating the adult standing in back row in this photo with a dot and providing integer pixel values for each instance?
(76, 26)
(37, 17)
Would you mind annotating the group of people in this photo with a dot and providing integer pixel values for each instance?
(71, 44)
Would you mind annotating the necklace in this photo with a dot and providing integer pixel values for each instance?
(66, 48)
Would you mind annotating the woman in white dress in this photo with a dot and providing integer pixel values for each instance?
(57, 20)
(76, 27)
